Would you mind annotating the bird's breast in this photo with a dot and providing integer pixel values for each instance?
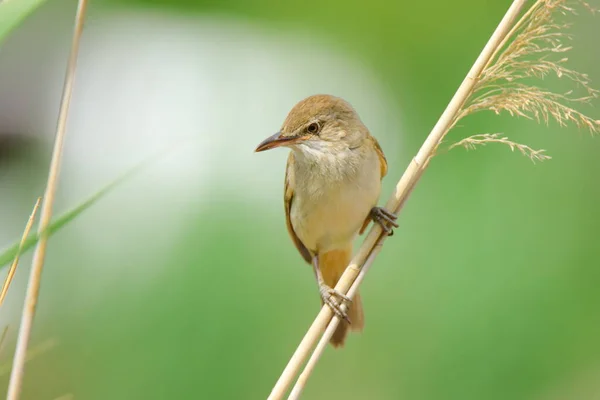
(329, 208)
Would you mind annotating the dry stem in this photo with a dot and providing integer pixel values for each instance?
(33, 287)
(410, 177)
(312, 362)
(13, 267)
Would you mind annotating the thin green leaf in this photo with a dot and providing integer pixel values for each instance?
(9, 254)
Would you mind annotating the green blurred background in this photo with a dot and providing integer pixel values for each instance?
(183, 283)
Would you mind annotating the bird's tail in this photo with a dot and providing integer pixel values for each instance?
(332, 265)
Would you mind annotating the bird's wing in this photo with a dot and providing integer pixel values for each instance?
(382, 160)
(383, 166)
(288, 197)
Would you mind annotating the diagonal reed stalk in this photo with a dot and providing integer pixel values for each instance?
(498, 81)
(403, 188)
(312, 362)
(33, 287)
(13, 266)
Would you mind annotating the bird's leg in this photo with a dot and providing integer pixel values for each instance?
(330, 296)
(384, 218)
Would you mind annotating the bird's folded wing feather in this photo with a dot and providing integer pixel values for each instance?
(383, 166)
(380, 154)
(288, 197)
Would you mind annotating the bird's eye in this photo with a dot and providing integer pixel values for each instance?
(313, 128)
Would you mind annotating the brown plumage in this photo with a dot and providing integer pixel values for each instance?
(332, 182)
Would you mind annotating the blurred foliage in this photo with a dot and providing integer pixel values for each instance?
(58, 222)
(488, 290)
(14, 12)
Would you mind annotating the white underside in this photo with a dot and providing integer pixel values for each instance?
(332, 200)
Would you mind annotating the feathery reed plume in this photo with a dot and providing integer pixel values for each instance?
(472, 142)
(33, 352)
(497, 81)
(510, 81)
(67, 396)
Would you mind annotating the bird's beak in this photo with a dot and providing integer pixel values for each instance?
(277, 140)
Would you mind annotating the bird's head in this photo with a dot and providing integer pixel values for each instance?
(319, 123)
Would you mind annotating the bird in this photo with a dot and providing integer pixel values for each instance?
(331, 189)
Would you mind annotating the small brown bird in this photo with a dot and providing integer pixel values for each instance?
(332, 185)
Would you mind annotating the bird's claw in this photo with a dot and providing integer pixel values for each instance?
(385, 219)
(334, 300)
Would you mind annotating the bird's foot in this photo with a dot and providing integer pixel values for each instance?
(384, 218)
(334, 300)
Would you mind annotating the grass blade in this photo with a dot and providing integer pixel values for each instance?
(13, 267)
(10, 253)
